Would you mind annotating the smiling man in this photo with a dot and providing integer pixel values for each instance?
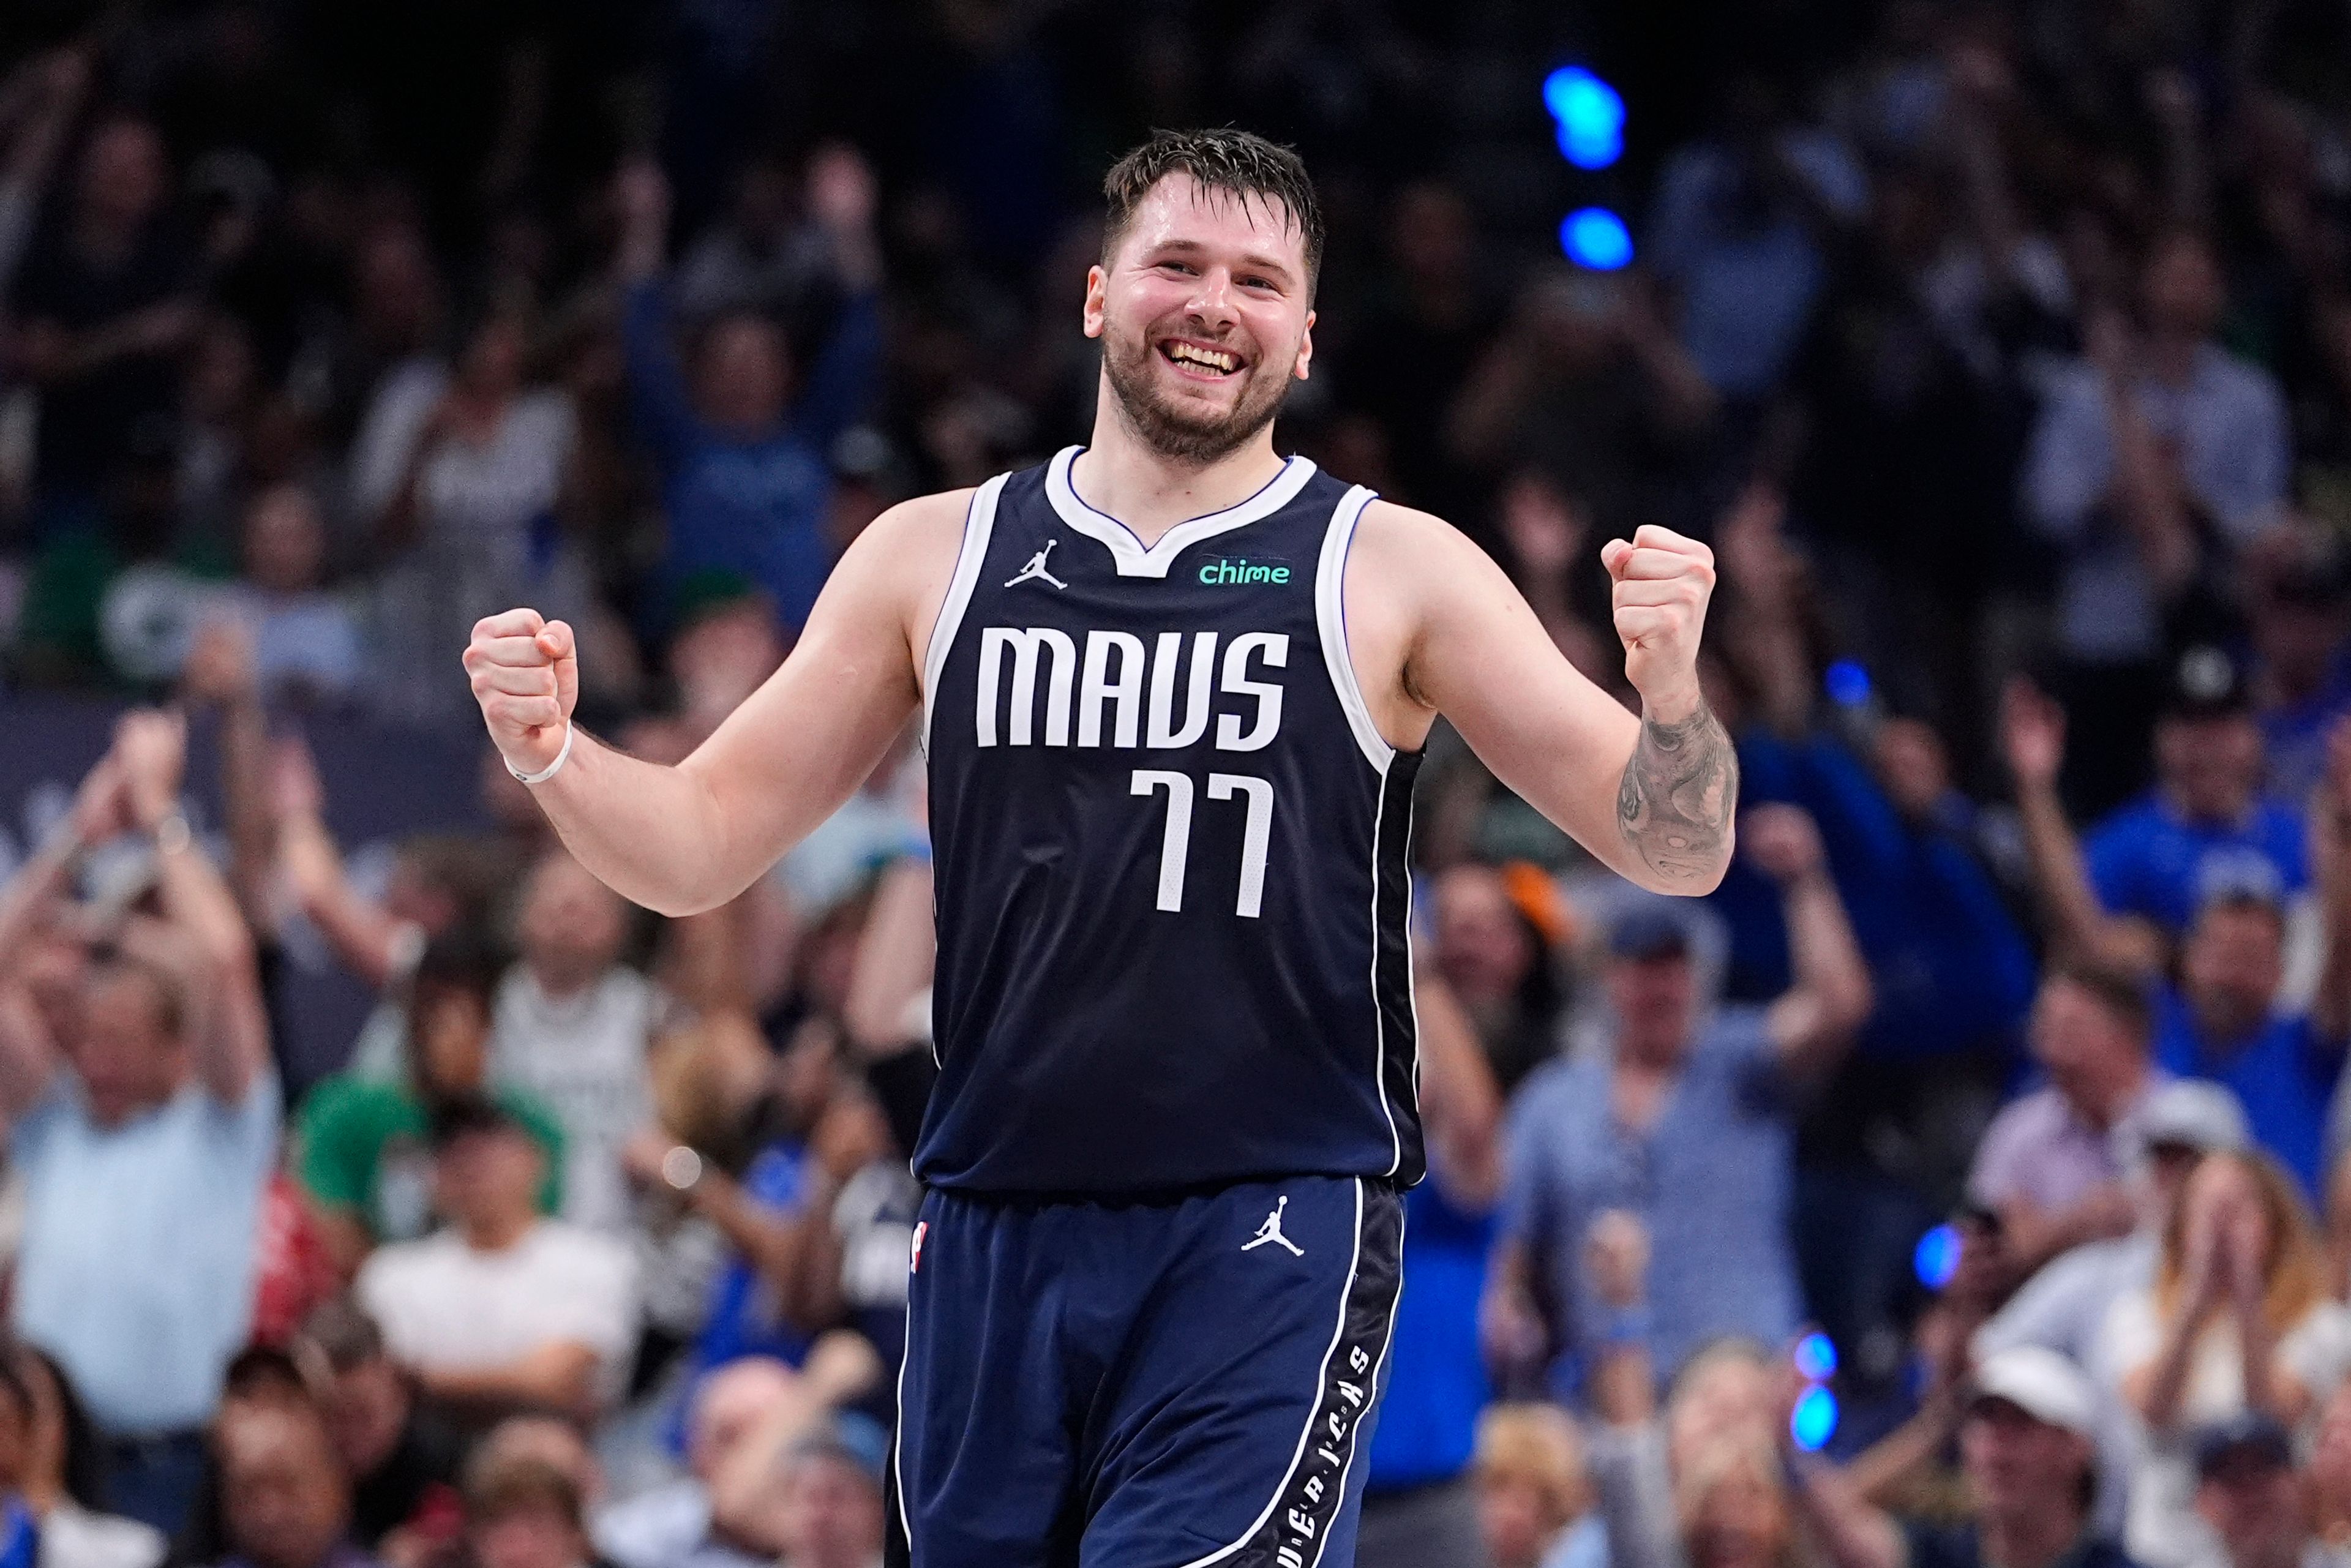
(1153, 1278)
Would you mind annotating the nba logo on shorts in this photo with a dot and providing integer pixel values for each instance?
(914, 1262)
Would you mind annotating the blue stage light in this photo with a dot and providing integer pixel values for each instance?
(1847, 683)
(1589, 115)
(1816, 1358)
(1937, 1258)
(1595, 238)
(1814, 1420)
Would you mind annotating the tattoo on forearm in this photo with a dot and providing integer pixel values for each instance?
(1679, 792)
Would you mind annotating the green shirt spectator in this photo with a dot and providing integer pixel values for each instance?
(365, 1152)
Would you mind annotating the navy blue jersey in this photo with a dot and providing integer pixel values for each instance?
(1170, 849)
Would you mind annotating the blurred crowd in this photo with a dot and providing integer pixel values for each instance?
(1963, 1183)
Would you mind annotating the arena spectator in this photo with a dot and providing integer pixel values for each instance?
(2026, 1445)
(104, 302)
(2237, 1319)
(2048, 1165)
(145, 1135)
(1686, 1123)
(2154, 459)
(1534, 1499)
(307, 643)
(469, 528)
(2222, 1021)
(1698, 1486)
(2297, 591)
(1742, 227)
(743, 461)
(2064, 1305)
(46, 1526)
(361, 1143)
(524, 1514)
(2251, 1497)
(401, 1458)
(1499, 961)
(573, 1027)
(673, 1526)
(2130, 891)
(286, 1497)
(503, 1310)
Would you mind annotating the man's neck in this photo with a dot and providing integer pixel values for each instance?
(2171, 358)
(561, 985)
(2116, 1098)
(2030, 1538)
(498, 1235)
(1150, 492)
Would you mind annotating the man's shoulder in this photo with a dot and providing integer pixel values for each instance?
(576, 1249)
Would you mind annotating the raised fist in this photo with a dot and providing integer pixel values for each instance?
(1662, 583)
(526, 674)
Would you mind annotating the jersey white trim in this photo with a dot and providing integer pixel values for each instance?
(1331, 619)
(1379, 1012)
(898, 1433)
(1132, 556)
(1314, 1402)
(979, 526)
(1355, 1444)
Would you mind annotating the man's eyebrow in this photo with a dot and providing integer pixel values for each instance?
(1250, 261)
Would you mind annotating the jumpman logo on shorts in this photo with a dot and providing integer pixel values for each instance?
(1036, 569)
(1271, 1231)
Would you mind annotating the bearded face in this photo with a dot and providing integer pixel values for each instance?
(1204, 316)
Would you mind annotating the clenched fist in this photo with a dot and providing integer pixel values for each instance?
(526, 675)
(1662, 583)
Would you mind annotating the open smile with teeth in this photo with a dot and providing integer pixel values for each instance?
(1200, 358)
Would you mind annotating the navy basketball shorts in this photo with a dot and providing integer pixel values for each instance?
(1144, 1385)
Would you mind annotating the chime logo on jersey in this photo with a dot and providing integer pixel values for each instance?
(1217, 573)
(1097, 697)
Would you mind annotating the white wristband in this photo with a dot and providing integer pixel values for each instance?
(552, 768)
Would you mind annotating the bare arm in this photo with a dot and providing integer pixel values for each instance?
(1461, 1106)
(1441, 629)
(2330, 844)
(689, 838)
(559, 1378)
(2032, 733)
(1850, 1530)
(894, 958)
(1814, 1019)
(231, 1045)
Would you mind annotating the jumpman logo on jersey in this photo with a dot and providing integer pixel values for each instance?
(1036, 569)
(1271, 1231)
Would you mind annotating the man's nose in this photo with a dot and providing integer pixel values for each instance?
(1212, 301)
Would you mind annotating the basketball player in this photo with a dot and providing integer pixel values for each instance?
(1173, 689)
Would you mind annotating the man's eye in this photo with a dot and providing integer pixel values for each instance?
(1174, 266)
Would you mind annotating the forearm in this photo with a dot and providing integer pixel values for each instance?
(799, 1255)
(2079, 926)
(245, 753)
(1460, 1108)
(2159, 1389)
(1823, 954)
(1675, 801)
(558, 1376)
(1852, 1533)
(231, 1045)
(896, 957)
(1910, 1446)
(651, 833)
(28, 1055)
(33, 891)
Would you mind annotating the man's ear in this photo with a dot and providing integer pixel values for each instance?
(1305, 349)
(1097, 299)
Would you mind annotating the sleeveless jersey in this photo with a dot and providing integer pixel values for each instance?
(1170, 851)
